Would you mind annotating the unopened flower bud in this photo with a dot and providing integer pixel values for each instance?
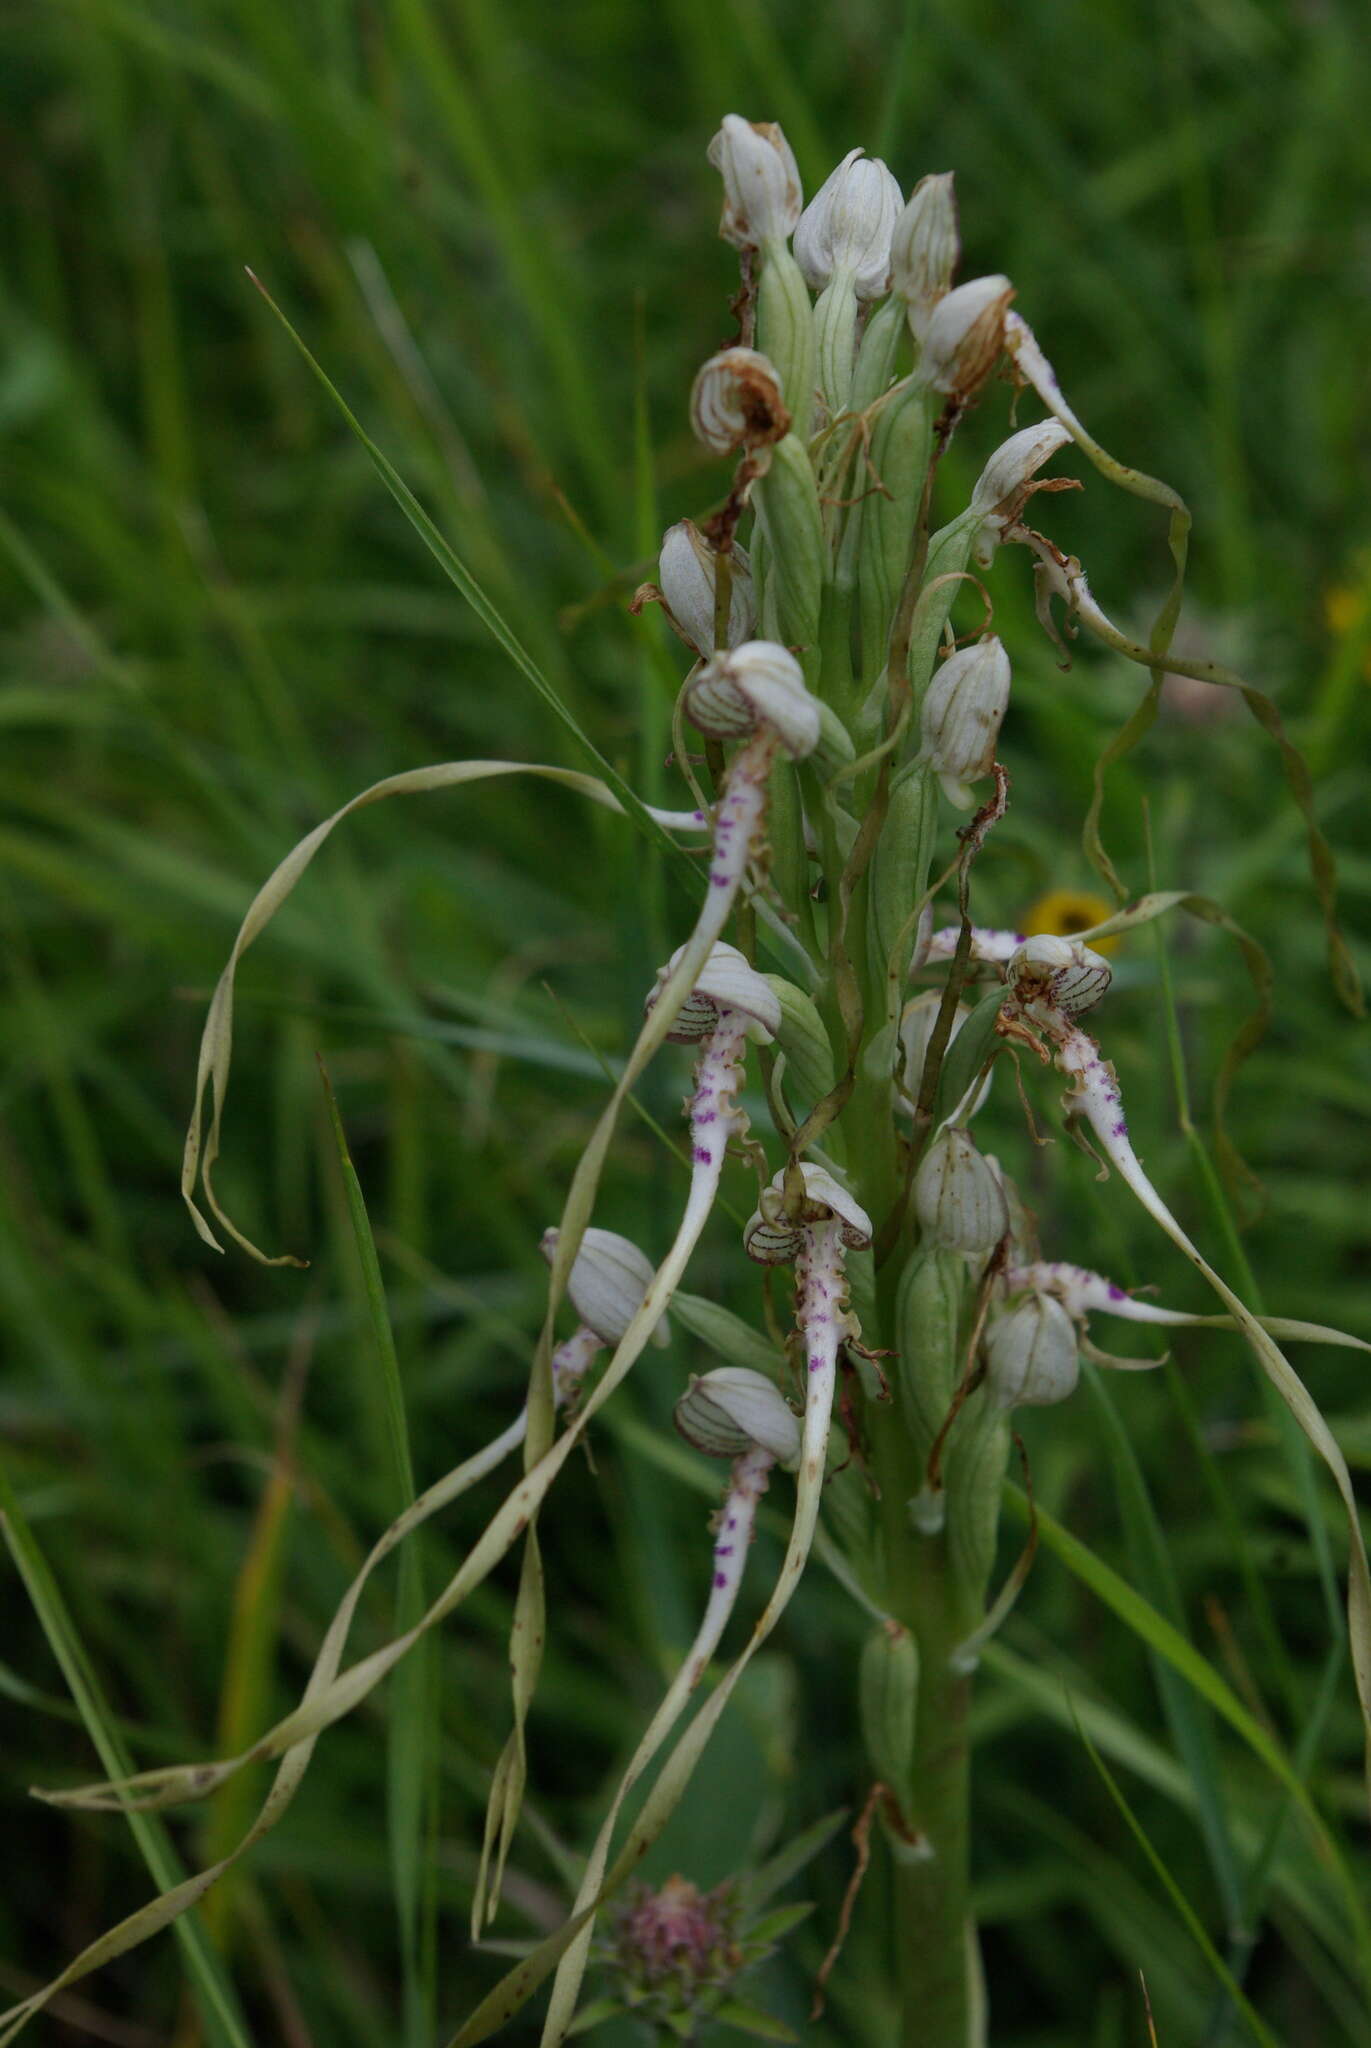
(847, 225)
(778, 1243)
(759, 684)
(925, 248)
(609, 1277)
(736, 402)
(964, 338)
(1002, 485)
(762, 194)
(958, 1200)
(1060, 972)
(725, 1412)
(725, 982)
(917, 1020)
(962, 712)
(688, 572)
(1031, 1355)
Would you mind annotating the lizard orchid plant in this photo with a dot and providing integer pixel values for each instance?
(854, 770)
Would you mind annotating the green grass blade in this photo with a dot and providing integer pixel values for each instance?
(1260, 2032)
(409, 1732)
(214, 1995)
(456, 570)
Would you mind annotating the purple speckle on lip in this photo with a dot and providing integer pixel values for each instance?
(1121, 1129)
(702, 1155)
(723, 1550)
(720, 1579)
(719, 881)
(1116, 1293)
(816, 1365)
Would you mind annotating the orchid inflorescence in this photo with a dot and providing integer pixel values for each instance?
(840, 714)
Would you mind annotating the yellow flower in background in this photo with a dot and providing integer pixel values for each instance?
(1064, 913)
(1345, 607)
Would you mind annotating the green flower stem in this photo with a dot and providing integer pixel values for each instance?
(932, 1887)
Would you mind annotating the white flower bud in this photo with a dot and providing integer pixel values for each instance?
(736, 402)
(962, 712)
(916, 1029)
(688, 573)
(609, 1277)
(776, 1244)
(925, 248)
(965, 337)
(762, 195)
(959, 1202)
(726, 982)
(1031, 1355)
(1002, 483)
(847, 225)
(757, 684)
(725, 1412)
(1060, 972)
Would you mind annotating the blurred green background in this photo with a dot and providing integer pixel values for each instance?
(495, 226)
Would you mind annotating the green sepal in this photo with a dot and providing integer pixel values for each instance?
(899, 454)
(787, 501)
(968, 1052)
(927, 1319)
(949, 551)
(876, 355)
(899, 868)
(835, 338)
(785, 331)
(735, 1341)
(810, 1071)
(973, 1475)
(888, 1696)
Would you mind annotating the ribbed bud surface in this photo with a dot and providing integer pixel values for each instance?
(846, 228)
(1031, 1355)
(609, 1277)
(728, 1411)
(759, 684)
(736, 402)
(958, 1200)
(688, 573)
(762, 193)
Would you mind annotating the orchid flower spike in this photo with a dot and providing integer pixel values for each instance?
(609, 1277)
(736, 402)
(688, 574)
(762, 193)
